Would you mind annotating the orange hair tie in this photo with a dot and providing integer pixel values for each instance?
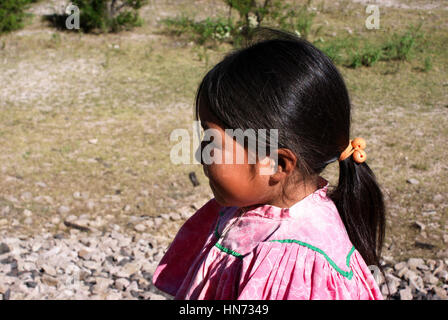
(355, 147)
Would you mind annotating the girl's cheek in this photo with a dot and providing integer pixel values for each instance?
(231, 182)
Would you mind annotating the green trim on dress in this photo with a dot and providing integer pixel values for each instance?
(347, 274)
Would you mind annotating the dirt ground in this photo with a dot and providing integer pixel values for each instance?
(85, 121)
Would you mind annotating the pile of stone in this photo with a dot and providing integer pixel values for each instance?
(97, 266)
(113, 265)
(416, 279)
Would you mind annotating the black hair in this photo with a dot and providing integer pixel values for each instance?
(284, 82)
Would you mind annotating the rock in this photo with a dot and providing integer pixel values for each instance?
(121, 284)
(155, 296)
(406, 294)
(41, 184)
(417, 284)
(49, 281)
(431, 263)
(76, 226)
(431, 279)
(84, 254)
(407, 274)
(93, 141)
(442, 275)
(158, 221)
(445, 238)
(149, 223)
(144, 193)
(63, 210)
(26, 196)
(185, 213)
(101, 284)
(399, 266)
(424, 245)
(143, 283)
(175, 216)
(193, 179)
(419, 225)
(440, 293)
(131, 268)
(413, 181)
(7, 294)
(393, 283)
(90, 205)
(133, 286)
(165, 216)
(27, 213)
(77, 195)
(48, 269)
(28, 221)
(437, 198)
(429, 213)
(4, 248)
(91, 265)
(140, 227)
(55, 220)
(414, 263)
(31, 284)
(113, 296)
(42, 199)
(25, 266)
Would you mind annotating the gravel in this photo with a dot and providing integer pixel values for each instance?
(113, 265)
(416, 279)
(77, 266)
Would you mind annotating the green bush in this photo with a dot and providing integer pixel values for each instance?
(220, 29)
(109, 15)
(103, 15)
(367, 57)
(12, 14)
(401, 47)
(251, 14)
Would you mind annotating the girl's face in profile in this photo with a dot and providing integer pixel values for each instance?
(234, 183)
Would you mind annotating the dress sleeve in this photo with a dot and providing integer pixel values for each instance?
(189, 241)
(289, 271)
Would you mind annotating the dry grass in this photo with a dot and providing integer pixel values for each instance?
(128, 92)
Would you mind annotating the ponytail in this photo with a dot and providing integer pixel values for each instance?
(361, 206)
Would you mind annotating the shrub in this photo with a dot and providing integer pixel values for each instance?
(400, 47)
(219, 29)
(103, 15)
(12, 14)
(333, 51)
(367, 57)
(292, 19)
(252, 14)
(427, 64)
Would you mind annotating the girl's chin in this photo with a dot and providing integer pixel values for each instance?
(217, 195)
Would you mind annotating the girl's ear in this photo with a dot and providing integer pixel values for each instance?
(286, 164)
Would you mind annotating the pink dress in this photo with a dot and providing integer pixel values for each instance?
(301, 252)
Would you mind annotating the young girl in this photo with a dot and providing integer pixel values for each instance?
(281, 235)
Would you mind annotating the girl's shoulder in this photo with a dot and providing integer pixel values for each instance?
(313, 223)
